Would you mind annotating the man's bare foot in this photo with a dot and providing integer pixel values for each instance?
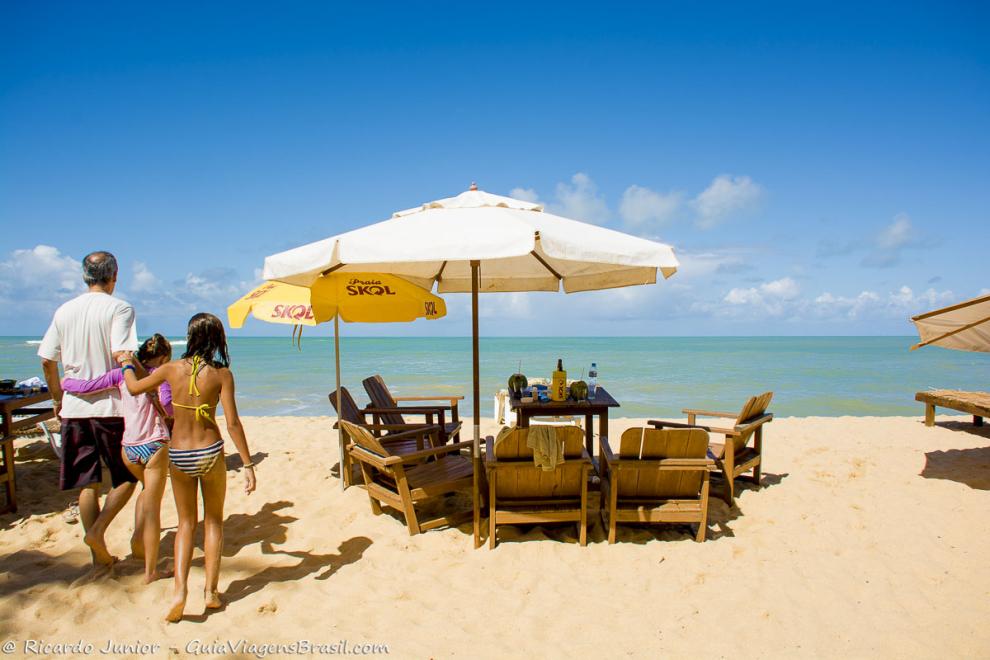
(137, 548)
(99, 548)
(178, 606)
(213, 601)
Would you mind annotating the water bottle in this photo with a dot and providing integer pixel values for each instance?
(592, 380)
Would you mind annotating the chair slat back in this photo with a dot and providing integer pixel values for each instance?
(649, 482)
(755, 407)
(362, 438)
(347, 410)
(523, 480)
(381, 398)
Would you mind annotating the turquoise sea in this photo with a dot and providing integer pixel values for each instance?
(649, 376)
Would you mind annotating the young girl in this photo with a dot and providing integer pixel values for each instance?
(200, 381)
(145, 435)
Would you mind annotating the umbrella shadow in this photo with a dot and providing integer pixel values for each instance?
(241, 530)
(234, 462)
(966, 466)
(36, 470)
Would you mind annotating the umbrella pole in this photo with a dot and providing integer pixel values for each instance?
(476, 446)
(345, 467)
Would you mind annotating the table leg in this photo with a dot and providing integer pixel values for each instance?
(8, 463)
(977, 420)
(929, 414)
(589, 433)
(603, 424)
(522, 419)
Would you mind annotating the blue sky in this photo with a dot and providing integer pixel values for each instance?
(820, 169)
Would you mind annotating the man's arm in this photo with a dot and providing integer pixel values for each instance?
(123, 331)
(50, 352)
(50, 369)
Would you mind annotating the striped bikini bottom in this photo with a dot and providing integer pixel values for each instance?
(196, 462)
(141, 454)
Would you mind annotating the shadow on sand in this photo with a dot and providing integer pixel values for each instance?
(965, 466)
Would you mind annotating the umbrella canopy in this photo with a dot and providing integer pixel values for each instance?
(520, 246)
(478, 242)
(963, 327)
(355, 297)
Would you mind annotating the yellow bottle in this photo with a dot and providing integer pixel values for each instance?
(558, 384)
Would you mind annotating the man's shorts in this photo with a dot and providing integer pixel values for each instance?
(84, 442)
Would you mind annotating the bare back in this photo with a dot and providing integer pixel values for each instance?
(195, 415)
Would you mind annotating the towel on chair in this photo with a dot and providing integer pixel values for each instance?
(548, 452)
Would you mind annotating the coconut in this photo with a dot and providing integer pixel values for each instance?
(517, 382)
(579, 390)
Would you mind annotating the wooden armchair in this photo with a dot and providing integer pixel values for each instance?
(402, 480)
(657, 477)
(398, 441)
(735, 456)
(520, 492)
(386, 408)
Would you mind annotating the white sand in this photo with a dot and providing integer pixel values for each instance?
(871, 537)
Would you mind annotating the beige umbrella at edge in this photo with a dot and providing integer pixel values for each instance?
(962, 327)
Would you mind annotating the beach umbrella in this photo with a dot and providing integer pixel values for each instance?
(354, 297)
(963, 327)
(478, 242)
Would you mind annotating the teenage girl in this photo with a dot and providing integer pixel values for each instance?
(200, 381)
(144, 446)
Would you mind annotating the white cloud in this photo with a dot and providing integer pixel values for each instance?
(902, 303)
(142, 280)
(525, 194)
(580, 200)
(41, 274)
(890, 242)
(725, 196)
(641, 207)
(770, 297)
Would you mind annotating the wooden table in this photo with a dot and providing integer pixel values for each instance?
(10, 405)
(976, 404)
(598, 406)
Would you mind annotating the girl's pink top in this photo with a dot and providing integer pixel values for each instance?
(142, 423)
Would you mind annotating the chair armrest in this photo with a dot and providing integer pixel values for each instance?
(443, 397)
(415, 410)
(660, 424)
(753, 423)
(425, 453)
(421, 430)
(489, 448)
(709, 413)
(701, 464)
(604, 450)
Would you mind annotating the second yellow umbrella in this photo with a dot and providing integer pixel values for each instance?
(354, 297)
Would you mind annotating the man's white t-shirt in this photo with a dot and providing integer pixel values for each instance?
(83, 336)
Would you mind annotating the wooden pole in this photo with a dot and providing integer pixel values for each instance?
(476, 447)
(344, 465)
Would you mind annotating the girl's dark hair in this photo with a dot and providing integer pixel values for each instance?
(205, 338)
(155, 346)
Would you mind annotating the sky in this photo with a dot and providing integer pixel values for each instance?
(819, 168)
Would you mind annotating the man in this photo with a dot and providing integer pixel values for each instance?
(83, 336)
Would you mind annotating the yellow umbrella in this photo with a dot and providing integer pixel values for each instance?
(354, 297)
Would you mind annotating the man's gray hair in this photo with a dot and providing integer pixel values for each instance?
(99, 268)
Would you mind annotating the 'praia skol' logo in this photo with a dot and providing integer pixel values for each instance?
(294, 312)
(359, 287)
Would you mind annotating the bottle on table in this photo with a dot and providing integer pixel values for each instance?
(558, 384)
(592, 380)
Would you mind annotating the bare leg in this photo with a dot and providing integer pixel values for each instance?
(214, 486)
(155, 474)
(184, 490)
(89, 509)
(115, 502)
(137, 548)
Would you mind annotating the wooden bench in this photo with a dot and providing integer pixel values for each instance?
(975, 403)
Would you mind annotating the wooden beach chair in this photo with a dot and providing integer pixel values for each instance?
(402, 480)
(385, 407)
(658, 476)
(735, 456)
(976, 404)
(399, 442)
(521, 493)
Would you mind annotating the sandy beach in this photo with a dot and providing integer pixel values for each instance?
(869, 538)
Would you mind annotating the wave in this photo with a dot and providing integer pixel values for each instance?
(33, 342)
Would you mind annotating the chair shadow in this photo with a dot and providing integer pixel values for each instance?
(348, 552)
(241, 530)
(966, 466)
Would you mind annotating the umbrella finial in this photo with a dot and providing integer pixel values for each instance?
(474, 186)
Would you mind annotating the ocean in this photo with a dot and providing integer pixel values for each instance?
(649, 376)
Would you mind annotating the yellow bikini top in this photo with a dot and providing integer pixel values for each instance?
(203, 409)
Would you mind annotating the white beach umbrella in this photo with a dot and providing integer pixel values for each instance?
(478, 242)
(963, 327)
